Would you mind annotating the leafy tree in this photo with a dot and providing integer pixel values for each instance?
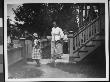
(38, 17)
(12, 29)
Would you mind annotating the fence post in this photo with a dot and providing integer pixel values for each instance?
(23, 53)
(70, 44)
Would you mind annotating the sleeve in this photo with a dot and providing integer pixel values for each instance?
(52, 31)
(34, 42)
(61, 33)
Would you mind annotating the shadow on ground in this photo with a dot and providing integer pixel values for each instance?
(93, 66)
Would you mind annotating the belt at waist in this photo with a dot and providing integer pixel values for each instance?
(57, 34)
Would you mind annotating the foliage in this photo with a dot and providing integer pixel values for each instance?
(38, 17)
(12, 29)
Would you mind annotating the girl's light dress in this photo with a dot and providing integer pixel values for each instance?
(36, 52)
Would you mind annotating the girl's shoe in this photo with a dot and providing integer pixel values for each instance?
(38, 65)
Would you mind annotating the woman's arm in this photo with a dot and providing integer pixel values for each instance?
(61, 33)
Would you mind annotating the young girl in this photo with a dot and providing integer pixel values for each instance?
(36, 53)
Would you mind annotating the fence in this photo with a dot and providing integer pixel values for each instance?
(16, 54)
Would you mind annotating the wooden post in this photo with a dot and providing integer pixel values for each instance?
(71, 44)
(22, 41)
(85, 10)
(28, 47)
(80, 15)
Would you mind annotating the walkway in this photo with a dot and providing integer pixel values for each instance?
(92, 66)
(62, 70)
(23, 70)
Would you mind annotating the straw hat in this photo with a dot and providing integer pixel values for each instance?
(35, 34)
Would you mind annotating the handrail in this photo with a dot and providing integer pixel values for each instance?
(85, 27)
(86, 33)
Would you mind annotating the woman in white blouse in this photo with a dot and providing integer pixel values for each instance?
(56, 44)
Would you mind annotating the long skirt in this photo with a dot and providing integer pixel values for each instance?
(56, 49)
(36, 53)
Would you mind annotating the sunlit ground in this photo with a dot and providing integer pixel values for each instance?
(91, 67)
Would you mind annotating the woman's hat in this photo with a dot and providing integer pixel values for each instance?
(35, 34)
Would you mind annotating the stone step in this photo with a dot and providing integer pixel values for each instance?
(62, 61)
(65, 56)
(45, 61)
(83, 51)
(98, 40)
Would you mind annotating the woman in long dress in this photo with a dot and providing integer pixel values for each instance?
(36, 53)
(56, 43)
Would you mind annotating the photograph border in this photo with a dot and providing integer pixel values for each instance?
(57, 1)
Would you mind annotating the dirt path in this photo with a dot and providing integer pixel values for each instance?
(51, 72)
(44, 71)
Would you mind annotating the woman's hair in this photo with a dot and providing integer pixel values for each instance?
(54, 21)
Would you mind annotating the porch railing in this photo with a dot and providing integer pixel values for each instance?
(85, 34)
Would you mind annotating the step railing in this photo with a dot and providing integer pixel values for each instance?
(85, 34)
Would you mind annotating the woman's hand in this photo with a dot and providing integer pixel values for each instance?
(61, 39)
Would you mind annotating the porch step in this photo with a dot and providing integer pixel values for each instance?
(101, 34)
(83, 51)
(88, 45)
(64, 59)
(77, 57)
(98, 40)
